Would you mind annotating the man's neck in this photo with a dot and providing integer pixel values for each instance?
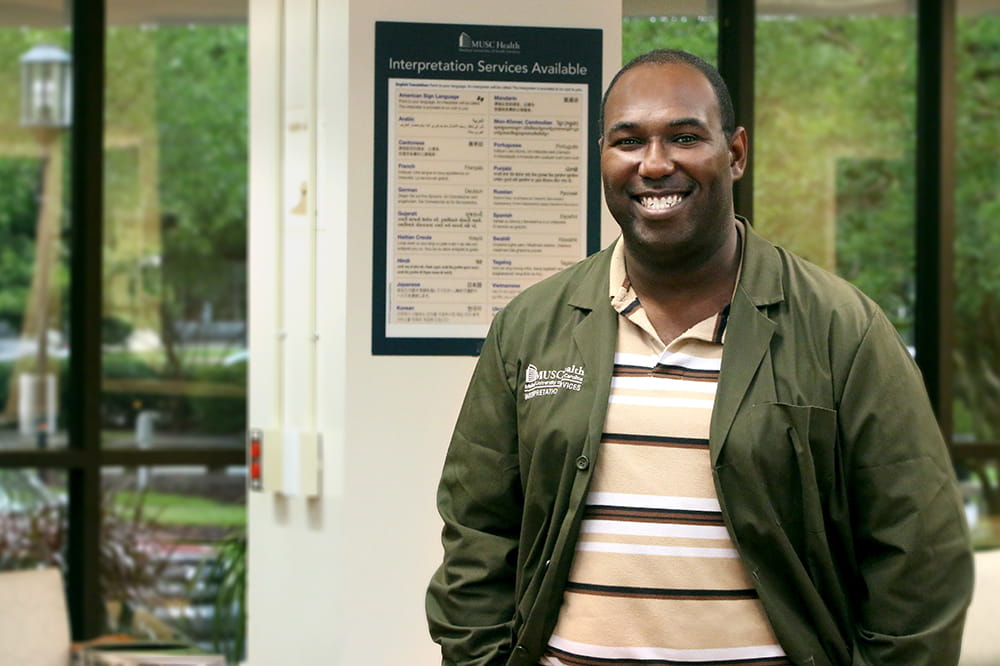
(677, 297)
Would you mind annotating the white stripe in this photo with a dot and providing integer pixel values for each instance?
(662, 653)
(660, 551)
(631, 528)
(690, 362)
(662, 402)
(640, 360)
(654, 501)
(663, 384)
(668, 358)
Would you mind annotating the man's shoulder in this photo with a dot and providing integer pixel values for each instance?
(811, 282)
(805, 283)
(585, 281)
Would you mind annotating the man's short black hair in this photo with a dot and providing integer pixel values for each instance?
(677, 57)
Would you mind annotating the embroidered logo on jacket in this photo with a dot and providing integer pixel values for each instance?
(549, 382)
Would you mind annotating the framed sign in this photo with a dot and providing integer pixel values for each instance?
(486, 174)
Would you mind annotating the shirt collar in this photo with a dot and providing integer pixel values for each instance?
(625, 301)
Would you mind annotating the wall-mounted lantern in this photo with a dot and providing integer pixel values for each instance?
(46, 80)
(46, 108)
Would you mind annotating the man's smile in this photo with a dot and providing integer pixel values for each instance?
(660, 202)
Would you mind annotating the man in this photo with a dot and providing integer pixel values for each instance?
(695, 447)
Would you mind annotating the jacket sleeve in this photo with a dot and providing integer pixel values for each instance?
(912, 547)
(470, 600)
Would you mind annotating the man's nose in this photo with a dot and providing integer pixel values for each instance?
(656, 161)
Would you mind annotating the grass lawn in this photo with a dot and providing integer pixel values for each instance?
(173, 509)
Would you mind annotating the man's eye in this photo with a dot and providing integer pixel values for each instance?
(628, 141)
(686, 138)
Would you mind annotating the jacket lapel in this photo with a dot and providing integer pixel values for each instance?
(595, 336)
(748, 336)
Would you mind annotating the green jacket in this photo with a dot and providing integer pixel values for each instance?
(834, 481)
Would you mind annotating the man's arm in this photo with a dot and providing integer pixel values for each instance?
(470, 601)
(910, 535)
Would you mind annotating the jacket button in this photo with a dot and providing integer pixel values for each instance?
(582, 463)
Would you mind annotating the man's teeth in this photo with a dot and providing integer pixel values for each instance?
(661, 203)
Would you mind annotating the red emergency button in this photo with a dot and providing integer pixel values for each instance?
(255, 450)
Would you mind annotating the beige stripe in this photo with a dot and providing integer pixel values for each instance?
(626, 469)
(676, 623)
(662, 421)
(661, 572)
(685, 390)
(684, 542)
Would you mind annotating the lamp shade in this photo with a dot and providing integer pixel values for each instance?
(46, 80)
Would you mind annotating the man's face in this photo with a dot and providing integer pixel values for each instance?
(668, 167)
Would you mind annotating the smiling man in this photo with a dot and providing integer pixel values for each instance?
(695, 447)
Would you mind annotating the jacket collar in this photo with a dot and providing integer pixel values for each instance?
(761, 276)
(591, 291)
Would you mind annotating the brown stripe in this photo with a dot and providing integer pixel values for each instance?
(667, 372)
(720, 325)
(657, 593)
(625, 311)
(690, 374)
(654, 440)
(642, 515)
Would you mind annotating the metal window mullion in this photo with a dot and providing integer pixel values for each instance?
(84, 596)
(737, 30)
(935, 202)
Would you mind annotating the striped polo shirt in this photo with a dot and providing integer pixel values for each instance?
(655, 578)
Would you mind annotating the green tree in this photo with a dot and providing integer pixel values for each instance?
(977, 208)
(177, 101)
(202, 119)
(18, 217)
(697, 35)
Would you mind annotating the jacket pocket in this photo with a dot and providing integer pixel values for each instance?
(786, 454)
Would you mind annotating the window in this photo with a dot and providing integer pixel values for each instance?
(977, 274)
(834, 162)
(144, 483)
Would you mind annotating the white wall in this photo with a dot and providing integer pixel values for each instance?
(340, 579)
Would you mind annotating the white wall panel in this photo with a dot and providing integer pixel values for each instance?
(340, 579)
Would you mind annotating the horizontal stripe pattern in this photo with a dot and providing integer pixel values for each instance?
(662, 551)
(568, 653)
(656, 578)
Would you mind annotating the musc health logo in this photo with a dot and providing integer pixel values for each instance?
(550, 382)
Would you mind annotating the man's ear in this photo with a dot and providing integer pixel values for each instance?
(600, 142)
(738, 152)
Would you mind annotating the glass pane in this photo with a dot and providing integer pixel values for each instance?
(977, 269)
(34, 150)
(834, 161)
(32, 519)
(174, 545)
(174, 327)
(652, 24)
